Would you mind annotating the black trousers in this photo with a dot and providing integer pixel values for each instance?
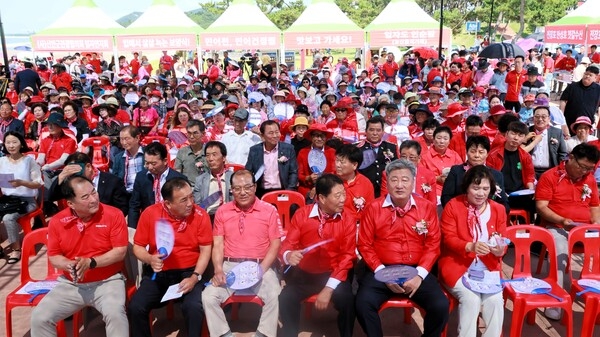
(372, 294)
(508, 105)
(148, 297)
(299, 286)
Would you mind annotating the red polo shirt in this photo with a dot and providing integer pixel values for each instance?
(386, 238)
(360, 187)
(495, 160)
(54, 148)
(566, 198)
(261, 225)
(186, 251)
(106, 230)
(336, 257)
(454, 260)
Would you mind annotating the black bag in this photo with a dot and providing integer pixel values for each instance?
(11, 204)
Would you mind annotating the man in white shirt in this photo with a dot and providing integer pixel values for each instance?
(239, 140)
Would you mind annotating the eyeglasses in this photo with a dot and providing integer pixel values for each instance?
(318, 135)
(339, 110)
(583, 168)
(239, 189)
(543, 117)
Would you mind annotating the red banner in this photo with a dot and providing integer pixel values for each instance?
(295, 40)
(409, 37)
(593, 34)
(72, 43)
(223, 41)
(156, 42)
(565, 34)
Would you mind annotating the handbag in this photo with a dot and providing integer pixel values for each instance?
(12, 204)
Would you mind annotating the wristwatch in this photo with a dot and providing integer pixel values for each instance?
(93, 263)
(197, 275)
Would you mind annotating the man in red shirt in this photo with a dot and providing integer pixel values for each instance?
(400, 228)
(514, 81)
(390, 67)
(61, 77)
(86, 241)
(567, 63)
(95, 62)
(245, 229)
(55, 148)
(565, 195)
(327, 270)
(135, 64)
(594, 56)
(184, 265)
(166, 61)
(473, 125)
(213, 70)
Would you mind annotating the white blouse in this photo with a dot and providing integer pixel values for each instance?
(25, 169)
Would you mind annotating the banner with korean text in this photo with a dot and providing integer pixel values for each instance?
(308, 40)
(57, 43)
(565, 34)
(156, 42)
(236, 41)
(426, 37)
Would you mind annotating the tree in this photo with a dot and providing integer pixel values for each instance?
(362, 12)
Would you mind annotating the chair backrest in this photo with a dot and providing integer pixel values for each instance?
(522, 237)
(589, 236)
(235, 167)
(284, 200)
(151, 139)
(31, 240)
(97, 143)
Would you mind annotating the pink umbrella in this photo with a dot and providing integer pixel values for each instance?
(527, 44)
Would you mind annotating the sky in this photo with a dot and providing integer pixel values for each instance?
(39, 14)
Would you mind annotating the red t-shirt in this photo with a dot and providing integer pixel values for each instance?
(568, 199)
(54, 148)
(390, 69)
(106, 230)
(123, 117)
(135, 67)
(337, 256)
(186, 251)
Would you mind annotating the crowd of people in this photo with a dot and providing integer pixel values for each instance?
(409, 162)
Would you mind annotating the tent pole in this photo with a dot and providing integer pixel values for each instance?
(117, 65)
(441, 29)
(4, 51)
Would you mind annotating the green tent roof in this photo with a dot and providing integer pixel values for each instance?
(587, 13)
(162, 17)
(323, 16)
(84, 18)
(243, 16)
(392, 18)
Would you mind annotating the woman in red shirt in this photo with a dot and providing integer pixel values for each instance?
(473, 227)
(466, 80)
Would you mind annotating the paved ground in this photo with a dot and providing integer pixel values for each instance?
(320, 324)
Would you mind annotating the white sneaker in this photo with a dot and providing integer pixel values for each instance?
(554, 314)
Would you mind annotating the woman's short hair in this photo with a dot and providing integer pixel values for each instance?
(475, 175)
(24, 147)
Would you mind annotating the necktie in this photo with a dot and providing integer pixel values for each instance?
(125, 177)
(156, 186)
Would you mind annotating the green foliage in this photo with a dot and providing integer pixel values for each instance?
(283, 13)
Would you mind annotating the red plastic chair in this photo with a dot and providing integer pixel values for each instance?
(515, 214)
(158, 139)
(234, 167)
(283, 200)
(25, 220)
(524, 304)
(99, 160)
(589, 237)
(13, 299)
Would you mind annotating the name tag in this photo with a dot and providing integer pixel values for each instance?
(592, 234)
(522, 235)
